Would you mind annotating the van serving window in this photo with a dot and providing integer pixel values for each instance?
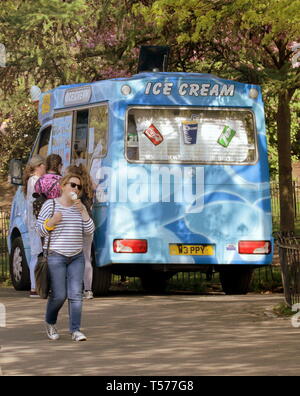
(90, 135)
(98, 130)
(194, 135)
(42, 145)
(62, 136)
(79, 152)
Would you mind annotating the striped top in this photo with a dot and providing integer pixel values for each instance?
(67, 237)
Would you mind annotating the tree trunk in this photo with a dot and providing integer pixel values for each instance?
(287, 215)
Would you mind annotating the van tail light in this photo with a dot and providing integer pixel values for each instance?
(255, 247)
(130, 246)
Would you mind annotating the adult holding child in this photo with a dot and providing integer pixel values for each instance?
(35, 168)
(65, 221)
(48, 184)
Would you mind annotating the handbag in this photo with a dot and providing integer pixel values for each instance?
(41, 272)
(42, 277)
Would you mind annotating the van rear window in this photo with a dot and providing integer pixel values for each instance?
(193, 135)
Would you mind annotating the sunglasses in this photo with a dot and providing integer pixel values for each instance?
(74, 185)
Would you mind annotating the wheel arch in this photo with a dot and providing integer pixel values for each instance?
(15, 234)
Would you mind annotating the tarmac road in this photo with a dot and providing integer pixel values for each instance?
(138, 334)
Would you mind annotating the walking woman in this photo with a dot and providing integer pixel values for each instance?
(65, 220)
(34, 170)
(87, 197)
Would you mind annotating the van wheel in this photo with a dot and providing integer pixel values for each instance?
(236, 280)
(19, 271)
(101, 281)
(155, 282)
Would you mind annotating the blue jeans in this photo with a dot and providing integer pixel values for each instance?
(66, 276)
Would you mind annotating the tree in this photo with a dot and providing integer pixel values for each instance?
(65, 42)
(248, 40)
(17, 138)
(38, 36)
(50, 43)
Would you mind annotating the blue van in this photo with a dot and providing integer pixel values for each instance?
(181, 168)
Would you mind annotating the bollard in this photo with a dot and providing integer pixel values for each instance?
(2, 315)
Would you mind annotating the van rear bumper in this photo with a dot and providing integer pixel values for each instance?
(140, 269)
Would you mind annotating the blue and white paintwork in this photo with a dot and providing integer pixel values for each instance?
(235, 199)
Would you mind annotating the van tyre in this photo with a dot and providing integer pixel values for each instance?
(236, 280)
(19, 271)
(101, 281)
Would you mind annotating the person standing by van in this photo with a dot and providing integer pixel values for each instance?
(65, 228)
(48, 184)
(35, 168)
(87, 198)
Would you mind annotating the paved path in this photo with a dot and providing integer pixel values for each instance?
(136, 334)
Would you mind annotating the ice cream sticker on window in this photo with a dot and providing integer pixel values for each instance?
(226, 136)
(154, 135)
(190, 131)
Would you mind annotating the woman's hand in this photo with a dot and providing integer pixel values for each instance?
(82, 209)
(55, 219)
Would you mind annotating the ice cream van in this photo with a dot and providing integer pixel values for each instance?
(180, 163)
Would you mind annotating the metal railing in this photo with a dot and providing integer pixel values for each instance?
(275, 200)
(4, 259)
(265, 279)
(289, 253)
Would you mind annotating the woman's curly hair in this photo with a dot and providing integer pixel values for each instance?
(87, 182)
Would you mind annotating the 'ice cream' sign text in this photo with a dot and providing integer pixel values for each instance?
(189, 89)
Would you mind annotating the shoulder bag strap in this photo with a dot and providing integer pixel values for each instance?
(40, 185)
(53, 185)
(48, 245)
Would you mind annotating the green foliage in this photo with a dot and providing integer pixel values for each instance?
(295, 110)
(252, 39)
(38, 36)
(49, 43)
(17, 139)
(271, 104)
(283, 310)
(64, 42)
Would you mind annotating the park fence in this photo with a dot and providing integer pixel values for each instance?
(275, 200)
(4, 259)
(289, 253)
